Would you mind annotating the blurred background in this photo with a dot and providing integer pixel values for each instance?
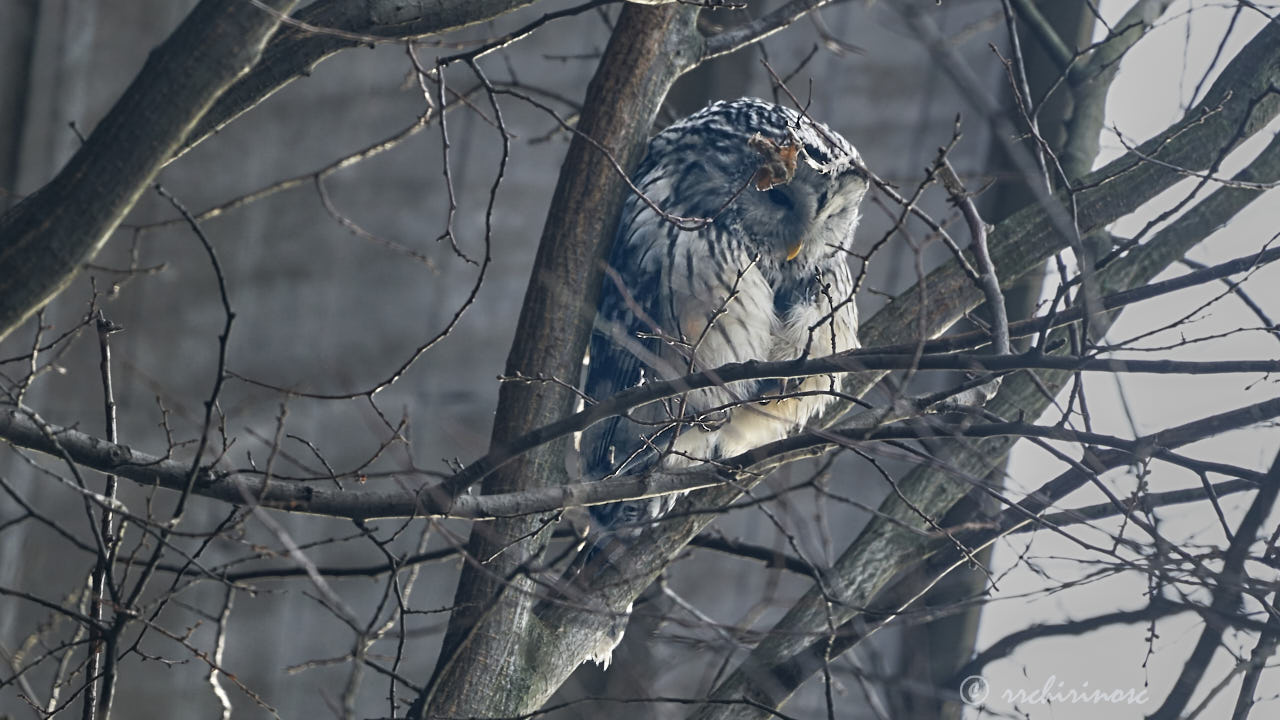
(324, 308)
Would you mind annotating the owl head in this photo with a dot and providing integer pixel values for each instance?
(787, 186)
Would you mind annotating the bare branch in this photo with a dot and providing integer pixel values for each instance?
(295, 51)
(44, 239)
(1226, 596)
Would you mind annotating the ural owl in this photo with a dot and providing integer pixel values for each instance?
(766, 278)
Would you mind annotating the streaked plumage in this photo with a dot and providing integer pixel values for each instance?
(677, 301)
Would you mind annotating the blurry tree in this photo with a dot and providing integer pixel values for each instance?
(516, 631)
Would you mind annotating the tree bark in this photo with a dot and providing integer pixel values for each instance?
(485, 666)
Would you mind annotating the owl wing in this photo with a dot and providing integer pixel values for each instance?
(627, 312)
(673, 302)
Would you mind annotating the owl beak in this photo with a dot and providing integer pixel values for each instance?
(794, 250)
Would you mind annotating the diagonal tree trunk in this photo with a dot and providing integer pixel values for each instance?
(482, 668)
(1242, 101)
(45, 238)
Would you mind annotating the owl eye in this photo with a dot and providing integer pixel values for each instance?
(780, 198)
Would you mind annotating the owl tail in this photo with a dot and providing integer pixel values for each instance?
(590, 561)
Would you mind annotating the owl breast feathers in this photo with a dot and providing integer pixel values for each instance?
(766, 279)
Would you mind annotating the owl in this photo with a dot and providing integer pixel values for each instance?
(746, 261)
